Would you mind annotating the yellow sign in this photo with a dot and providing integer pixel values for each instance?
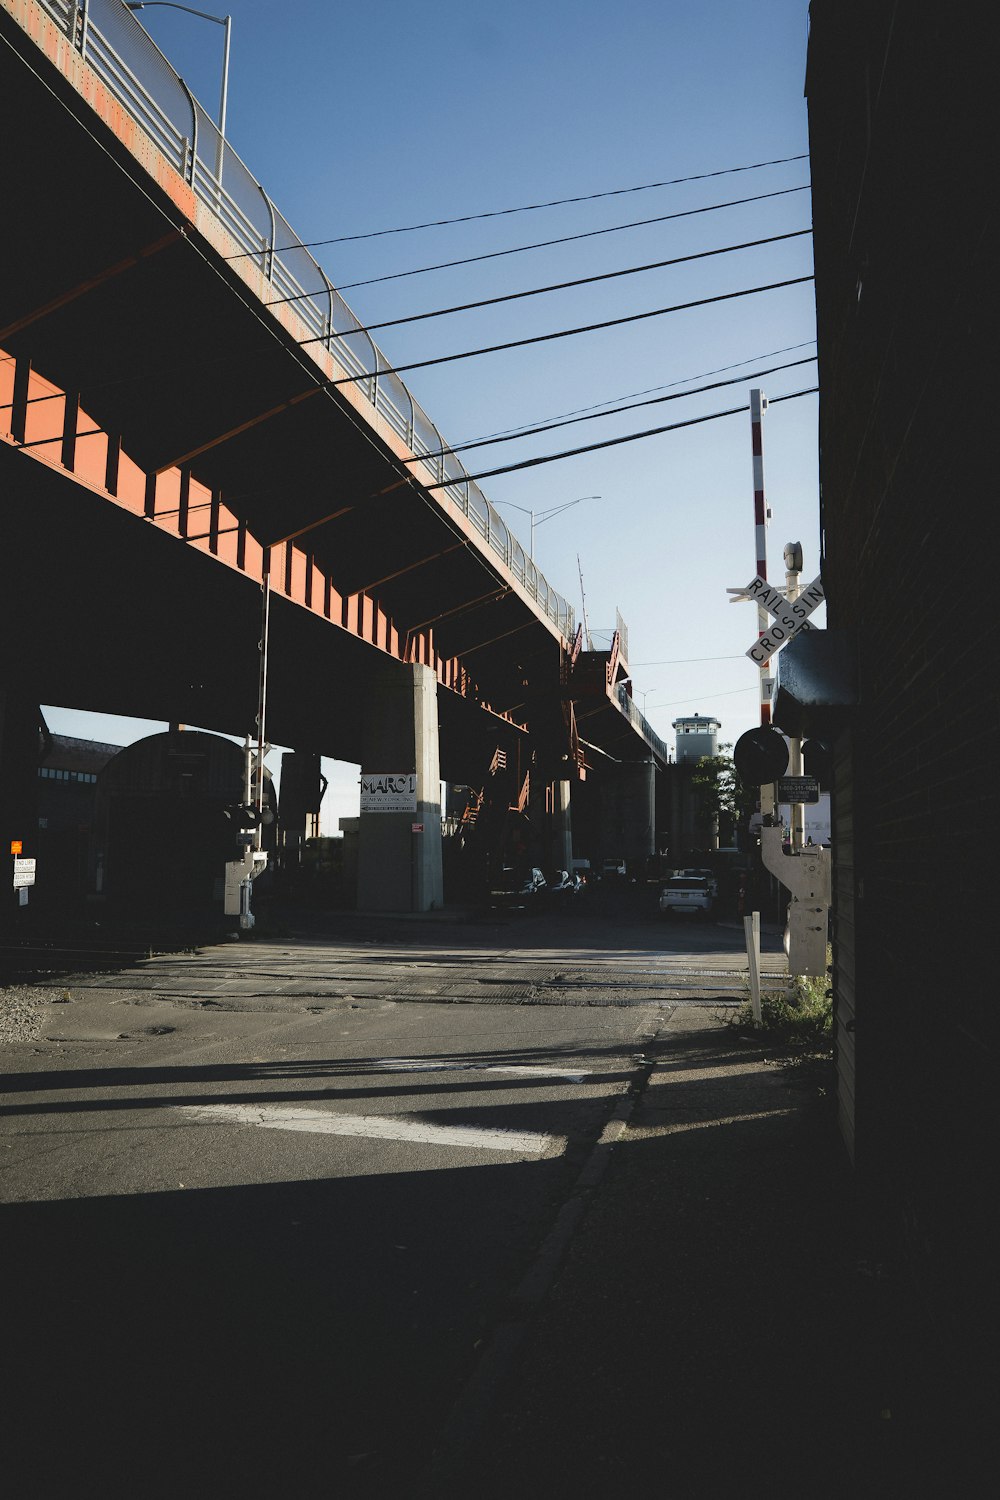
(16, 846)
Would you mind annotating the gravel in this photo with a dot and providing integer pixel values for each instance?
(22, 1013)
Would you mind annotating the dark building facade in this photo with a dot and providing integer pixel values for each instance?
(67, 785)
(902, 132)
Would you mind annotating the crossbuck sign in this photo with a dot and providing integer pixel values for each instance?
(790, 617)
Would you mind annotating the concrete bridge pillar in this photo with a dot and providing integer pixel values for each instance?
(562, 826)
(399, 852)
(628, 813)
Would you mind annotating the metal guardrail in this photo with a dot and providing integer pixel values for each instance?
(128, 62)
(641, 724)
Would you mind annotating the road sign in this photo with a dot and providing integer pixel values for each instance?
(790, 616)
(792, 612)
(24, 873)
(798, 789)
(388, 792)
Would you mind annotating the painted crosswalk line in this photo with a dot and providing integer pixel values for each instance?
(446, 1065)
(372, 1127)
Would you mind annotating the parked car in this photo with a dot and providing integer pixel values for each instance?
(701, 874)
(518, 890)
(688, 893)
(613, 869)
(563, 884)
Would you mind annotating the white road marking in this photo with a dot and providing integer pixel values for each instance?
(423, 1065)
(526, 1072)
(375, 1127)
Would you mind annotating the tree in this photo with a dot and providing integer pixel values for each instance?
(719, 794)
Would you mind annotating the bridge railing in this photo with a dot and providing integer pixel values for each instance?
(641, 723)
(128, 62)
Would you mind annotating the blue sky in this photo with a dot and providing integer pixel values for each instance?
(359, 119)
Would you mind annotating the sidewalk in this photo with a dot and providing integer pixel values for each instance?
(712, 1329)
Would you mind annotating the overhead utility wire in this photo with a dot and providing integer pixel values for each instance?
(565, 239)
(632, 437)
(419, 490)
(324, 387)
(562, 333)
(614, 411)
(525, 208)
(558, 286)
(650, 390)
(705, 697)
(683, 661)
(544, 424)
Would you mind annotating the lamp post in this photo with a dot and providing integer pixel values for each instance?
(225, 21)
(642, 693)
(537, 517)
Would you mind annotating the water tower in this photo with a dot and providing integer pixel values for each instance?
(697, 735)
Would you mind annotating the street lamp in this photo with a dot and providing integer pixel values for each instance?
(537, 517)
(643, 693)
(224, 21)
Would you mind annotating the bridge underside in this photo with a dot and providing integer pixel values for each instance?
(108, 614)
(168, 439)
(125, 295)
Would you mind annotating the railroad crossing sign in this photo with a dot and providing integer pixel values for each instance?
(790, 616)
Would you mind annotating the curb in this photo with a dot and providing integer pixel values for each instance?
(479, 1395)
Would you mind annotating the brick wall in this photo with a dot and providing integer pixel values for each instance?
(901, 124)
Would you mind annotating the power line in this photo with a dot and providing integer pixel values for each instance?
(649, 391)
(558, 286)
(614, 411)
(499, 213)
(702, 697)
(562, 333)
(632, 437)
(326, 386)
(683, 661)
(565, 239)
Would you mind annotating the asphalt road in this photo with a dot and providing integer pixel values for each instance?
(264, 1204)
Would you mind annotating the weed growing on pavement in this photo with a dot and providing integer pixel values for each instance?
(802, 1014)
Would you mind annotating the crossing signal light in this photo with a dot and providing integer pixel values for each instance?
(760, 755)
(243, 814)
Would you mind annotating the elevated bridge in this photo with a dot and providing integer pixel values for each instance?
(191, 416)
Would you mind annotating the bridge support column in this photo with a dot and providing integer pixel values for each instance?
(562, 826)
(628, 814)
(399, 853)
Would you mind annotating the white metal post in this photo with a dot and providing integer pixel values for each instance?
(797, 811)
(758, 405)
(751, 928)
(262, 702)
